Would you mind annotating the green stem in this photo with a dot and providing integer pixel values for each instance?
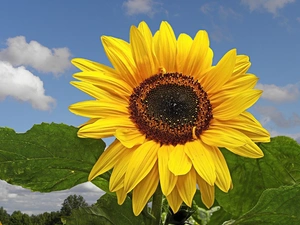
(157, 206)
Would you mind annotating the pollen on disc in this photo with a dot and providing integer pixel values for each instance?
(170, 108)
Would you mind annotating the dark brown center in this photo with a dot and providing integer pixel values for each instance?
(170, 108)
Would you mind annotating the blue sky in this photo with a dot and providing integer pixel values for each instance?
(38, 39)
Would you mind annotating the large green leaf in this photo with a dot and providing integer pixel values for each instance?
(276, 206)
(280, 166)
(107, 212)
(48, 157)
(102, 182)
(216, 217)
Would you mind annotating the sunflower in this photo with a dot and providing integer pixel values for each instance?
(170, 110)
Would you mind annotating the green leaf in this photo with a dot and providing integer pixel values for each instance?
(107, 212)
(48, 157)
(280, 166)
(217, 217)
(276, 206)
(102, 182)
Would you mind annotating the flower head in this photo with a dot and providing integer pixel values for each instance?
(170, 110)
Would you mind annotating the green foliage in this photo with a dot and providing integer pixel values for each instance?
(253, 178)
(219, 217)
(213, 217)
(72, 202)
(46, 218)
(105, 212)
(275, 206)
(18, 218)
(4, 216)
(48, 157)
(102, 182)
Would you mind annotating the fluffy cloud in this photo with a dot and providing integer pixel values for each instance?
(22, 85)
(270, 5)
(277, 94)
(219, 17)
(134, 7)
(272, 114)
(17, 198)
(35, 55)
(226, 12)
(207, 8)
(223, 12)
(295, 136)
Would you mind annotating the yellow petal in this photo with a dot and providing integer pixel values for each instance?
(106, 82)
(156, 45)
(249, 117)
(90, 121)
(120, 56)
(250, 126)
(198, 60)
(141, 55)
(167, 179)
(215, 78)
(234, 106)
(240, 59)
(144, 190)
(207, 192)
(105, 127)
(233, 88)
(174, 200)
(223, 175)
(147, 34)
(116, 181)
(98, 109)
(141, 163)
(184, 44)
(130, 137)
(241, 83)
(250, 150)
(99, 93)
(242, 64)
(179, 163)
(202, 160)
(166, 47)
(88, 65)
(107, 160)
(222, 136)
(121, 195)
(208, 62)
(186, 186)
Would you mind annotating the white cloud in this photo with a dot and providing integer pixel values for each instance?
(295, 136)
(277, 94)
(224, 12)
(220, 33)
(35, 55)
(134, 7)
(270, 5)
(219, 16)
(22, 85)
(298, 19)
(227, 12)
(272, 114)
(17, 198)
(207, 8)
